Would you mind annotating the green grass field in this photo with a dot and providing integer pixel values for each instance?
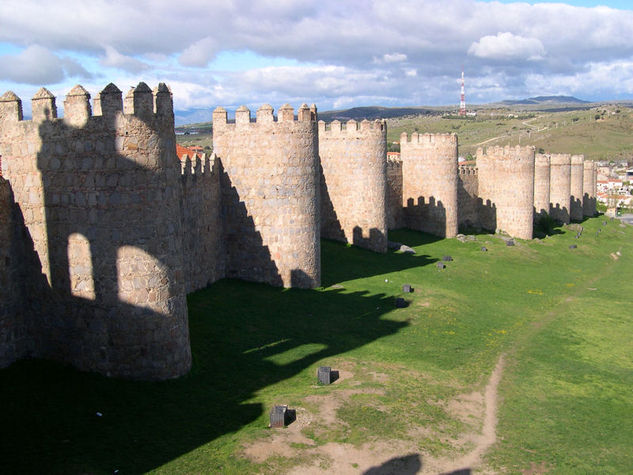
(560, 316)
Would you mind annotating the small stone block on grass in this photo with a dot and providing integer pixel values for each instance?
(441, 265)
(573, 246)
(447, 258)
(510, 242)
(406, 288)
(401, 303)
(324, 375)
(484, 249)
(278, 416)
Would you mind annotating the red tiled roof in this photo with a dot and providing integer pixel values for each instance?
(182, 151)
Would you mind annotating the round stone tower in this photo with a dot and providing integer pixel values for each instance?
(576, 187)
(429, 182)
(541, 184)
(560, 187)
(506, 181)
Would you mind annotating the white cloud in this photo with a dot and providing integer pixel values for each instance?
(114, 59)
(200, 53)
(394, 57)
(37, 65)
(506, 46)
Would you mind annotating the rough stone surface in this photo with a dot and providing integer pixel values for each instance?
(541, 184)
(270, 195)
(429, 182)
(354, 183)
(560, 187)
(506, 188)
(576, 187)
(589, 183)
(469, 203)
(114, 296)
(395, 211)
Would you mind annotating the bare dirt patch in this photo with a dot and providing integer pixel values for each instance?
(478, 409)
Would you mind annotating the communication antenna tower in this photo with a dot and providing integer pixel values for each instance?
(462, 102)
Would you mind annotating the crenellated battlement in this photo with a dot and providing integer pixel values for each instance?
(428, 140)
(264, 116)
(351, 127)
(467, 170)
(200, 165)
(140, 102)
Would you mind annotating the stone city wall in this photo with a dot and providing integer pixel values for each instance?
(395, 213)
(353, 183)
(203, 238)
(560, 187)
(576, 187)
(85, 185)
(270, 195)
(506, 186)
(589, 182)
(468, 198)
(541, 184)
(429, 182)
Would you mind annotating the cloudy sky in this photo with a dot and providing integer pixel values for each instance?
(335, 53)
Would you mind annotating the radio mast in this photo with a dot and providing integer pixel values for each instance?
(462, 102)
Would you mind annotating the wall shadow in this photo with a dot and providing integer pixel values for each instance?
(361, 263)
(240, 346)
(405, 465)
(559, 214)
(247, 256)
(428, 217)
(330, 225)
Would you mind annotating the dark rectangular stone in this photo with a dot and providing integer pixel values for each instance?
(324, 374)
(278, 416)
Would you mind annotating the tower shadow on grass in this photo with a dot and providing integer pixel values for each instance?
(361, 263)
(245, 338)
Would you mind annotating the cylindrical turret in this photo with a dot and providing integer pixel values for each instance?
(506, 186)
(354, 184)
(541, 184)
(560, 187)
(576, 187)
(429, 182)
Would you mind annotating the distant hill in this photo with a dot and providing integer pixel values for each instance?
(374, 112)
(542, 100)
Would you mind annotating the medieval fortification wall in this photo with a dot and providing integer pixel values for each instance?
(84, 185)
(353, 183)
(576, 187)
(560, 187)
(270, 195)
(513, 206)
(469, 203)
(541, 184)
(395, 211)
(103, 231)
(589, 183)
(429, 182)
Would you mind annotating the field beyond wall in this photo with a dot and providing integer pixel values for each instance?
(414, 389)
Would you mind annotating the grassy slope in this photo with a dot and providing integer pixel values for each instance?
(610, 137)
(566, 390)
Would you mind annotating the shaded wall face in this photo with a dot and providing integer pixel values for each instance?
(270, 199)
(429, 183)
(353, 185)
(395, 213)
(468, 198)
(560, 187)
(203, 231)
(588, 187)
(12, 326)
(101, 200)
(541, 185)
(576, 188)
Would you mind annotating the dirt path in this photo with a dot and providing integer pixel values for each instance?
(488, 435)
